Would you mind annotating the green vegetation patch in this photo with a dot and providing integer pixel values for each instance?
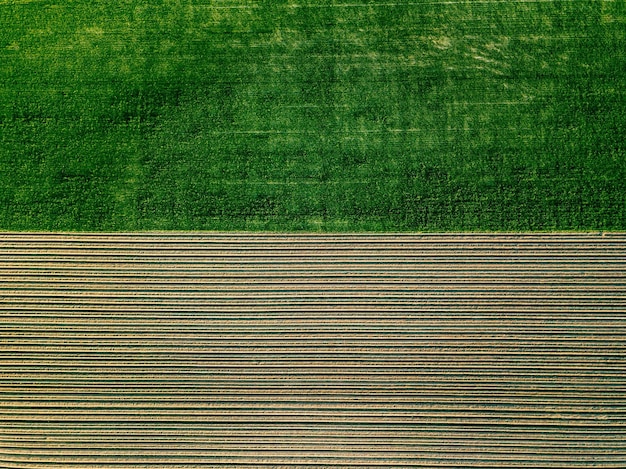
(312, 115)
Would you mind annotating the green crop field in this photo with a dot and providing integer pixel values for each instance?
(313, 115)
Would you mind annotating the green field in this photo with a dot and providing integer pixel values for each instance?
(313, 115)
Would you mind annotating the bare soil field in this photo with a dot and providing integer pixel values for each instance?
(181, 350)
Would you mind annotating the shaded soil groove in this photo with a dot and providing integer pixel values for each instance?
(227, 350)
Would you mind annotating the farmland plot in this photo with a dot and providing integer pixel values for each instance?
(240, 350)
(313, 115)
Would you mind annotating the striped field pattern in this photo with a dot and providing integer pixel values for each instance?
(261, 350)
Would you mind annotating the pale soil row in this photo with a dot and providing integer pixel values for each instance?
(316, 255)
(397, 287)
(233, 350)
(230, 237)
(316, 249)
(281, 269)
(318, 296)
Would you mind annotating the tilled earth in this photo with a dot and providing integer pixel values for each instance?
(218, 350)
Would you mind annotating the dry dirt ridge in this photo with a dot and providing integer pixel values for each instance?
(236, 350)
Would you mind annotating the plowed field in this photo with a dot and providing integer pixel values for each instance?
(241, 350)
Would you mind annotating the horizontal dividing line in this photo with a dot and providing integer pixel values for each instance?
(231, 270)
(416, 399)
(404, 445)
(609, 382)
(372, 310)
(437, 275)
(340, 461)
(331, 245)
(338, 308)
(311, 461)
(389, 394)
(272, 351)
(249, 237)
(177, 313)
(323, 464)
(443, 361)
(443, 351)
(295, 249)
(268, 430)
(221, 281)
(332, 432)
(19, 283)
(209, 238)
(279, 293)
(68, 407)
(360, 321)
(589, 367)
(347, 344)
(607, 413)
(319, 463)
(315, 242)
(309, 446)
(371, 255)
(441, 333)
(328, 247)
(306, 238)
(313, 270)
(307, 271)
(604, 399)
(249, 306)
(226, 272)
(297, 292)
(236, 273)
(264, 383)
(358, 324)
(303, 338)
(339, 345)
(59, 366)
(371, 440)
(288, 334)
(235, 236)
(496, 252)
(483, 390)
(183, 313)
(311, 418)
(426, 320)
(346, 259)
(252, 303)
(375, 407)
(398, 373)
(600, 370)
(261, 385)
(592, 317)
(276, 429)
(303, 451)
(302, 384)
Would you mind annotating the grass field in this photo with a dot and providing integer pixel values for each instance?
(313, 115)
